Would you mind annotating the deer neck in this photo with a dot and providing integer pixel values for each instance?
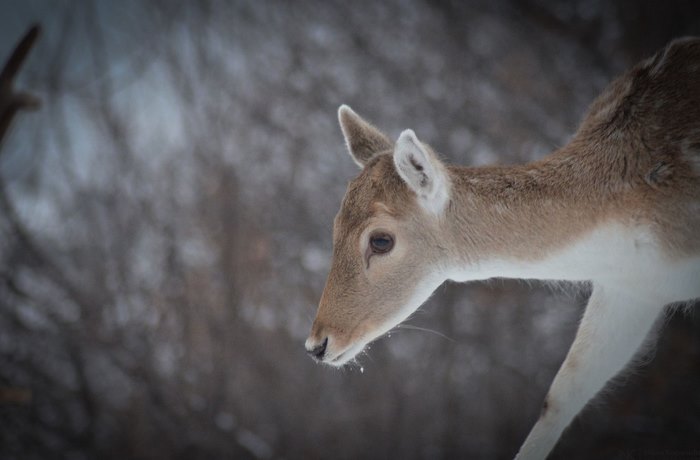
(552, 219)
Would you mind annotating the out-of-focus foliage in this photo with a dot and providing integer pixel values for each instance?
(166, 229)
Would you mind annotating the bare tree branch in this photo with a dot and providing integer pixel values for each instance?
(11, 101)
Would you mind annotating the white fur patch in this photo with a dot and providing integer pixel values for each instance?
(691, 152)
(612, 255)
(422, 172)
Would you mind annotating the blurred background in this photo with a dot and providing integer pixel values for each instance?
(165, 230)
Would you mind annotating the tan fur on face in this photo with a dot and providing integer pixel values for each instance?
(357, 299)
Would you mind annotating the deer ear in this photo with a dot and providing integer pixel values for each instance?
(423, 172)
(363, 140)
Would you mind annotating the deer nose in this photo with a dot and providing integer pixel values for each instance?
(317, 351)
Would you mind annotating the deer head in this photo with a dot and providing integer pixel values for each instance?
(388, 255)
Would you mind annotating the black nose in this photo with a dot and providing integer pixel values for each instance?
(318, 351)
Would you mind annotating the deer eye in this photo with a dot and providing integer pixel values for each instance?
(381, 243)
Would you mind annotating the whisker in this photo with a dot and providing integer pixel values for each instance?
(418, 328)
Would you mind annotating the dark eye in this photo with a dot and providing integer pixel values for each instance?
(381, 243)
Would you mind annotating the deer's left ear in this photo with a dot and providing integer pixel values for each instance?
(423, 172)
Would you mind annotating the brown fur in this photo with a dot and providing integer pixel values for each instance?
(634, 160)
(629, 161)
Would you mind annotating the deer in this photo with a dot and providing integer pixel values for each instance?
(616, 208)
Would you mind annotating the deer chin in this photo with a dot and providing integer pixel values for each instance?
(372, 331)
(347, 355)
(355, 346)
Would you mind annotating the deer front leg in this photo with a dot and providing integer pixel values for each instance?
(614, 326)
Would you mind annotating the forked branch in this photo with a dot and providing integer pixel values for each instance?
(12, 101)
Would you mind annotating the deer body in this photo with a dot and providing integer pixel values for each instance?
(618, 206)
